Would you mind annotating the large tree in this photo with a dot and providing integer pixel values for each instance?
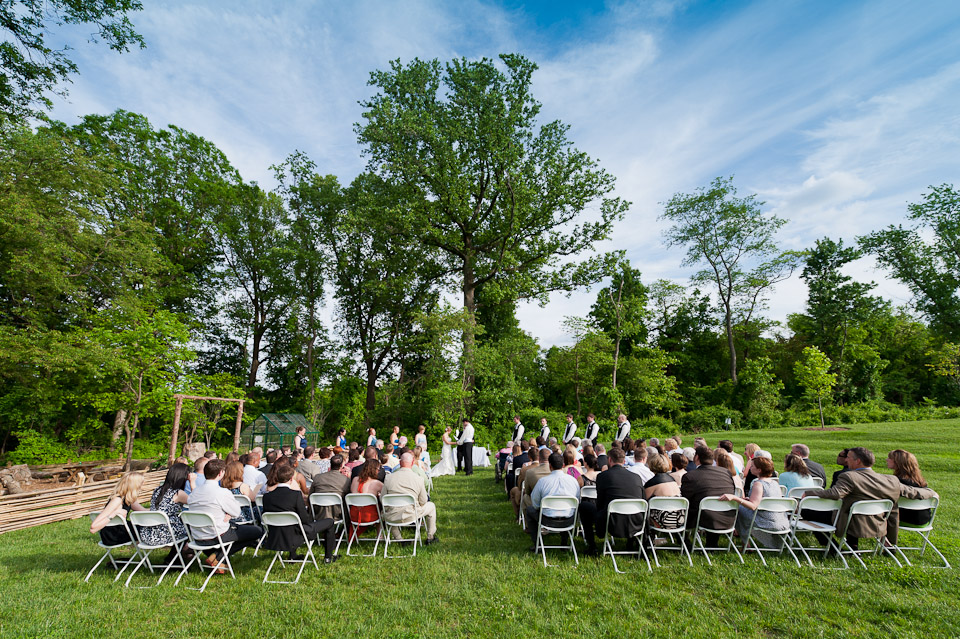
(31, 66)
(499, 197)
(735, 243)
(620, 312)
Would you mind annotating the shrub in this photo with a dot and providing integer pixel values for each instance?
(37, 448)
(710, 418)
(654, 426)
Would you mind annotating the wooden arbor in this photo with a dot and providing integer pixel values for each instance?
(175, 435)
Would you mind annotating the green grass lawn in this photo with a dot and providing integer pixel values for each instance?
(480, 581)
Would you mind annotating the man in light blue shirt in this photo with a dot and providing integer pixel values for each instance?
(557, 483)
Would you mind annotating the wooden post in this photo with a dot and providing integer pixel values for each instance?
(175, 434)
(236, 430)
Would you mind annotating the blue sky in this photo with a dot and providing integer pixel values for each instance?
(836, 113)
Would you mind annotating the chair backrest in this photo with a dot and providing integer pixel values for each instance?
(325, 499)
(669, 503)
(778, 504)
(714, 504)
(559, 502)
(797, 492)
(260, 502)
(627, 507)
(783, 490)
(117, 520)
(397, 501)
(820, 504)
(590, 492)
(871, 507)
(360, 499)
(195, 519)
(930, 504)
(281, 519)
(243, 500)
(149, 518)
(818, 482)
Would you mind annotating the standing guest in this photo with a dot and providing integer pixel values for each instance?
(556, 483)
(570, 467)
(763, 486)
(252, 476)
(342, 438)
(795, 473)
(679, 464)
(570, 431)
(366, 482)
(300, 439)
(371, 437)
(662, 484)
(593, 430)
(219, 503)
(420, 439)
(615, 483)
(544, 429)
(332, 481)
(725, 461)
(169, 498)
(125, 497)
(640, 465)
(233, 481)
(623, 427)
(395, 437)
(517, 429)
(707, 480)
(404, 481)
(817, 470)
(287, 498)
(905, 468)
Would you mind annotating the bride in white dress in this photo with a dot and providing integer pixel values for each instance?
(446, 465)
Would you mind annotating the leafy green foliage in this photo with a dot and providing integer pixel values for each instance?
(813, 373)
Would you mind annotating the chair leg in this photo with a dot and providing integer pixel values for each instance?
(193, 560)
(144, 558)
(97, 565)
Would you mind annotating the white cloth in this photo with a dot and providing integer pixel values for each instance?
(641, 469)
(593, 429)
(420, 440)
(216, 502)
(517, 434)
(623, 431)
(481, 456)
(254, 478)
(466, 437)
(545, 433)
(446, 465)
(569, 433)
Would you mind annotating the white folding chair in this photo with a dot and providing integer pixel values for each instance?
(868, 508)
(360, 500)
(923, 530)
(330, 500)
(205, 520)
(244, 502)
(715, 505)
(784, 505)
(799, 525)
(259, 500)
(818, 482)
(143, 519)
(669, 504)
(116, 562)
(797, 492)
(587, 492)
(626, 508)
(783, 490)
(292, 520)
(521, 518)
(557, 502)
(400, 501)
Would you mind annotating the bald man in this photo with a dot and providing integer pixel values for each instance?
(404, 481)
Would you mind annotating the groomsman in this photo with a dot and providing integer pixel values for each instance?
(544, 429)
(517, 430)
(623, 427)
(593, 430)
(465, 448)
(571, 430)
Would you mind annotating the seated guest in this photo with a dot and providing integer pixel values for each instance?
(169, 498)
(231, 456)
(370, 453)
(763, 486)
(295, 458)
(602, 461)
(219, 503)
(707, 480)
(842, 462)
(366, 482)
(727, 446)
(252, 476)
(570, 467)
(796, 474)
(861, 482)
(905, 468)
(404, 481)
(750, 472)
(384, 461)
(233, 481)
(287, 498)
(670, 446)
(332, 481)
(556, 483)
(125, 497)
(196, 477)
(662, 484)
(640, 464)
(270, 461)
(529, 474)
(392, 460)
(353, 460)
(518, 462)
(421, 459)
(690, 455)
(590, 470)
(724, 460)
(748, 452)
(803, 452)
(679, 464)
(310, 464)
(614, 483)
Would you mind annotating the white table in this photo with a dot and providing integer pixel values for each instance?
(481, 457)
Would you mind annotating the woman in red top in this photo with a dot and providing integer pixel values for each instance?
(366, 482)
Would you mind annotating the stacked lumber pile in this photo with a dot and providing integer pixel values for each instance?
(59, 504)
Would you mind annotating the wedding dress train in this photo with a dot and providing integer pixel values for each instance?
(446, 465)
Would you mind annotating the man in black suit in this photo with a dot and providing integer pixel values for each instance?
(707, 481)
(370, 452)
(601, 453)
(615, 483)
(803, 452)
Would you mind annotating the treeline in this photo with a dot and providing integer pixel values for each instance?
(135, 262)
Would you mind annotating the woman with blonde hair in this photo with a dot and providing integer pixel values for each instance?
(662, 484)
(125, 497)
(906, 468)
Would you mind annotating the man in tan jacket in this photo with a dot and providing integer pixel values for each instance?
(862, 483)
(403, 481)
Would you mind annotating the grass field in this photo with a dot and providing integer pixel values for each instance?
(480, 581)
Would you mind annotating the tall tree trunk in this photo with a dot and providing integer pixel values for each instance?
(119, 422)
(728, 322)
(820, 405)
(371, 391)
(616, 360)
(255, 358)
(469, 332)
(131, 432)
